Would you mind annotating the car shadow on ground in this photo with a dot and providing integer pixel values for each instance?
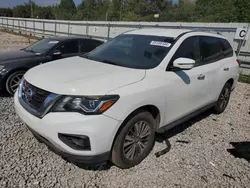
(177, 130)
(240, 150)
(4, 94)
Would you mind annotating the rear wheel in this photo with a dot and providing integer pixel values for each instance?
(223, 99)
(134, 141)
(13, 82)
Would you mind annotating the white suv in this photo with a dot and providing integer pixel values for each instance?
(108, 104)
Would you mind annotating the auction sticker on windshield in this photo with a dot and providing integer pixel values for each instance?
(53, 42)
(159, 43)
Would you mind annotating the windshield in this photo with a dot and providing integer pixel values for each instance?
(133, 51)
(41, 46)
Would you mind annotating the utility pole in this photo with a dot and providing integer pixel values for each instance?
(121, 10)
(107, 16)
(31, 9)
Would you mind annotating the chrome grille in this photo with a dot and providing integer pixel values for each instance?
(35, 100)
(33, 96)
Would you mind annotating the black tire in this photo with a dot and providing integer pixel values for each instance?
(224, 98)
(141, 145)
(13, 82)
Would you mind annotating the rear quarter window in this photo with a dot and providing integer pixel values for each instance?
(227, 48)
(211, 49)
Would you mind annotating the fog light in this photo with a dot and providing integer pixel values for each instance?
(77, 142)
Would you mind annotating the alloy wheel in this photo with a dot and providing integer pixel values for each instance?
(224, 98)
(136, 140)
(15, 81)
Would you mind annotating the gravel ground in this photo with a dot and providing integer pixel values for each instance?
(198, 155)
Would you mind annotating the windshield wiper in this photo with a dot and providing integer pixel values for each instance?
(86, 55)
(32, 51)
(110, 62)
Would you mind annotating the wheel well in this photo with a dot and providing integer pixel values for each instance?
(17, 69)
(231, 81)
(153, 110)
(12, 71)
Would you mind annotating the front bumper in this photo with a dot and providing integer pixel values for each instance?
(1, 83)
(87, 160)
(100, 129)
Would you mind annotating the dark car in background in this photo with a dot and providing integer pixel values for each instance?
(14, 64)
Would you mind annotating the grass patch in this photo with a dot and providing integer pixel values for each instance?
(244, 78)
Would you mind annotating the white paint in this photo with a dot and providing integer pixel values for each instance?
(175, 93)
(184, 63)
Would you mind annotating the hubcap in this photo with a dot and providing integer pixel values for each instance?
(224, 98)
(15, 81)
(136, 140)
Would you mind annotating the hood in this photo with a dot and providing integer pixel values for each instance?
(80, 76)
(12, 55)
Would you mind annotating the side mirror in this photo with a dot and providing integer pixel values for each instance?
(57, 53)
(184, 63)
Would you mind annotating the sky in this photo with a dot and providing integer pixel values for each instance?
(12, 3)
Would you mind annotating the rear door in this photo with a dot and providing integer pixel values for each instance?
(230, 67)
(214, 59)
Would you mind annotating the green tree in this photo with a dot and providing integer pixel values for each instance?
(102, 9)
(242, 10)
(143, 10)
(139, 10)
(66, 10)
(25, 11)
(115, 10)
(215, 11)
(7, 12)
(44, 13)
(81, 12)
(183, 11)
(93, 10)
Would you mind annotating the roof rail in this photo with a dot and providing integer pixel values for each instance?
(206, 30)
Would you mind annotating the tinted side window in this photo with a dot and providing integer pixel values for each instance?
(188, 49)
(211, 49)
(227, 49)
(69, 47)
(89, 45)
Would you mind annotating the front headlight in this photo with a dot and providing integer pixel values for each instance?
(85, 105)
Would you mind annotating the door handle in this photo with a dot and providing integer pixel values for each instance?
(201, 77)
(226, 69)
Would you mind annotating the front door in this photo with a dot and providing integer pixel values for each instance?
(186, 89)
(68, 49)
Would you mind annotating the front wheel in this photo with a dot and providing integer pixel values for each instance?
(134, 141)
(13, 81)
(224, 98)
